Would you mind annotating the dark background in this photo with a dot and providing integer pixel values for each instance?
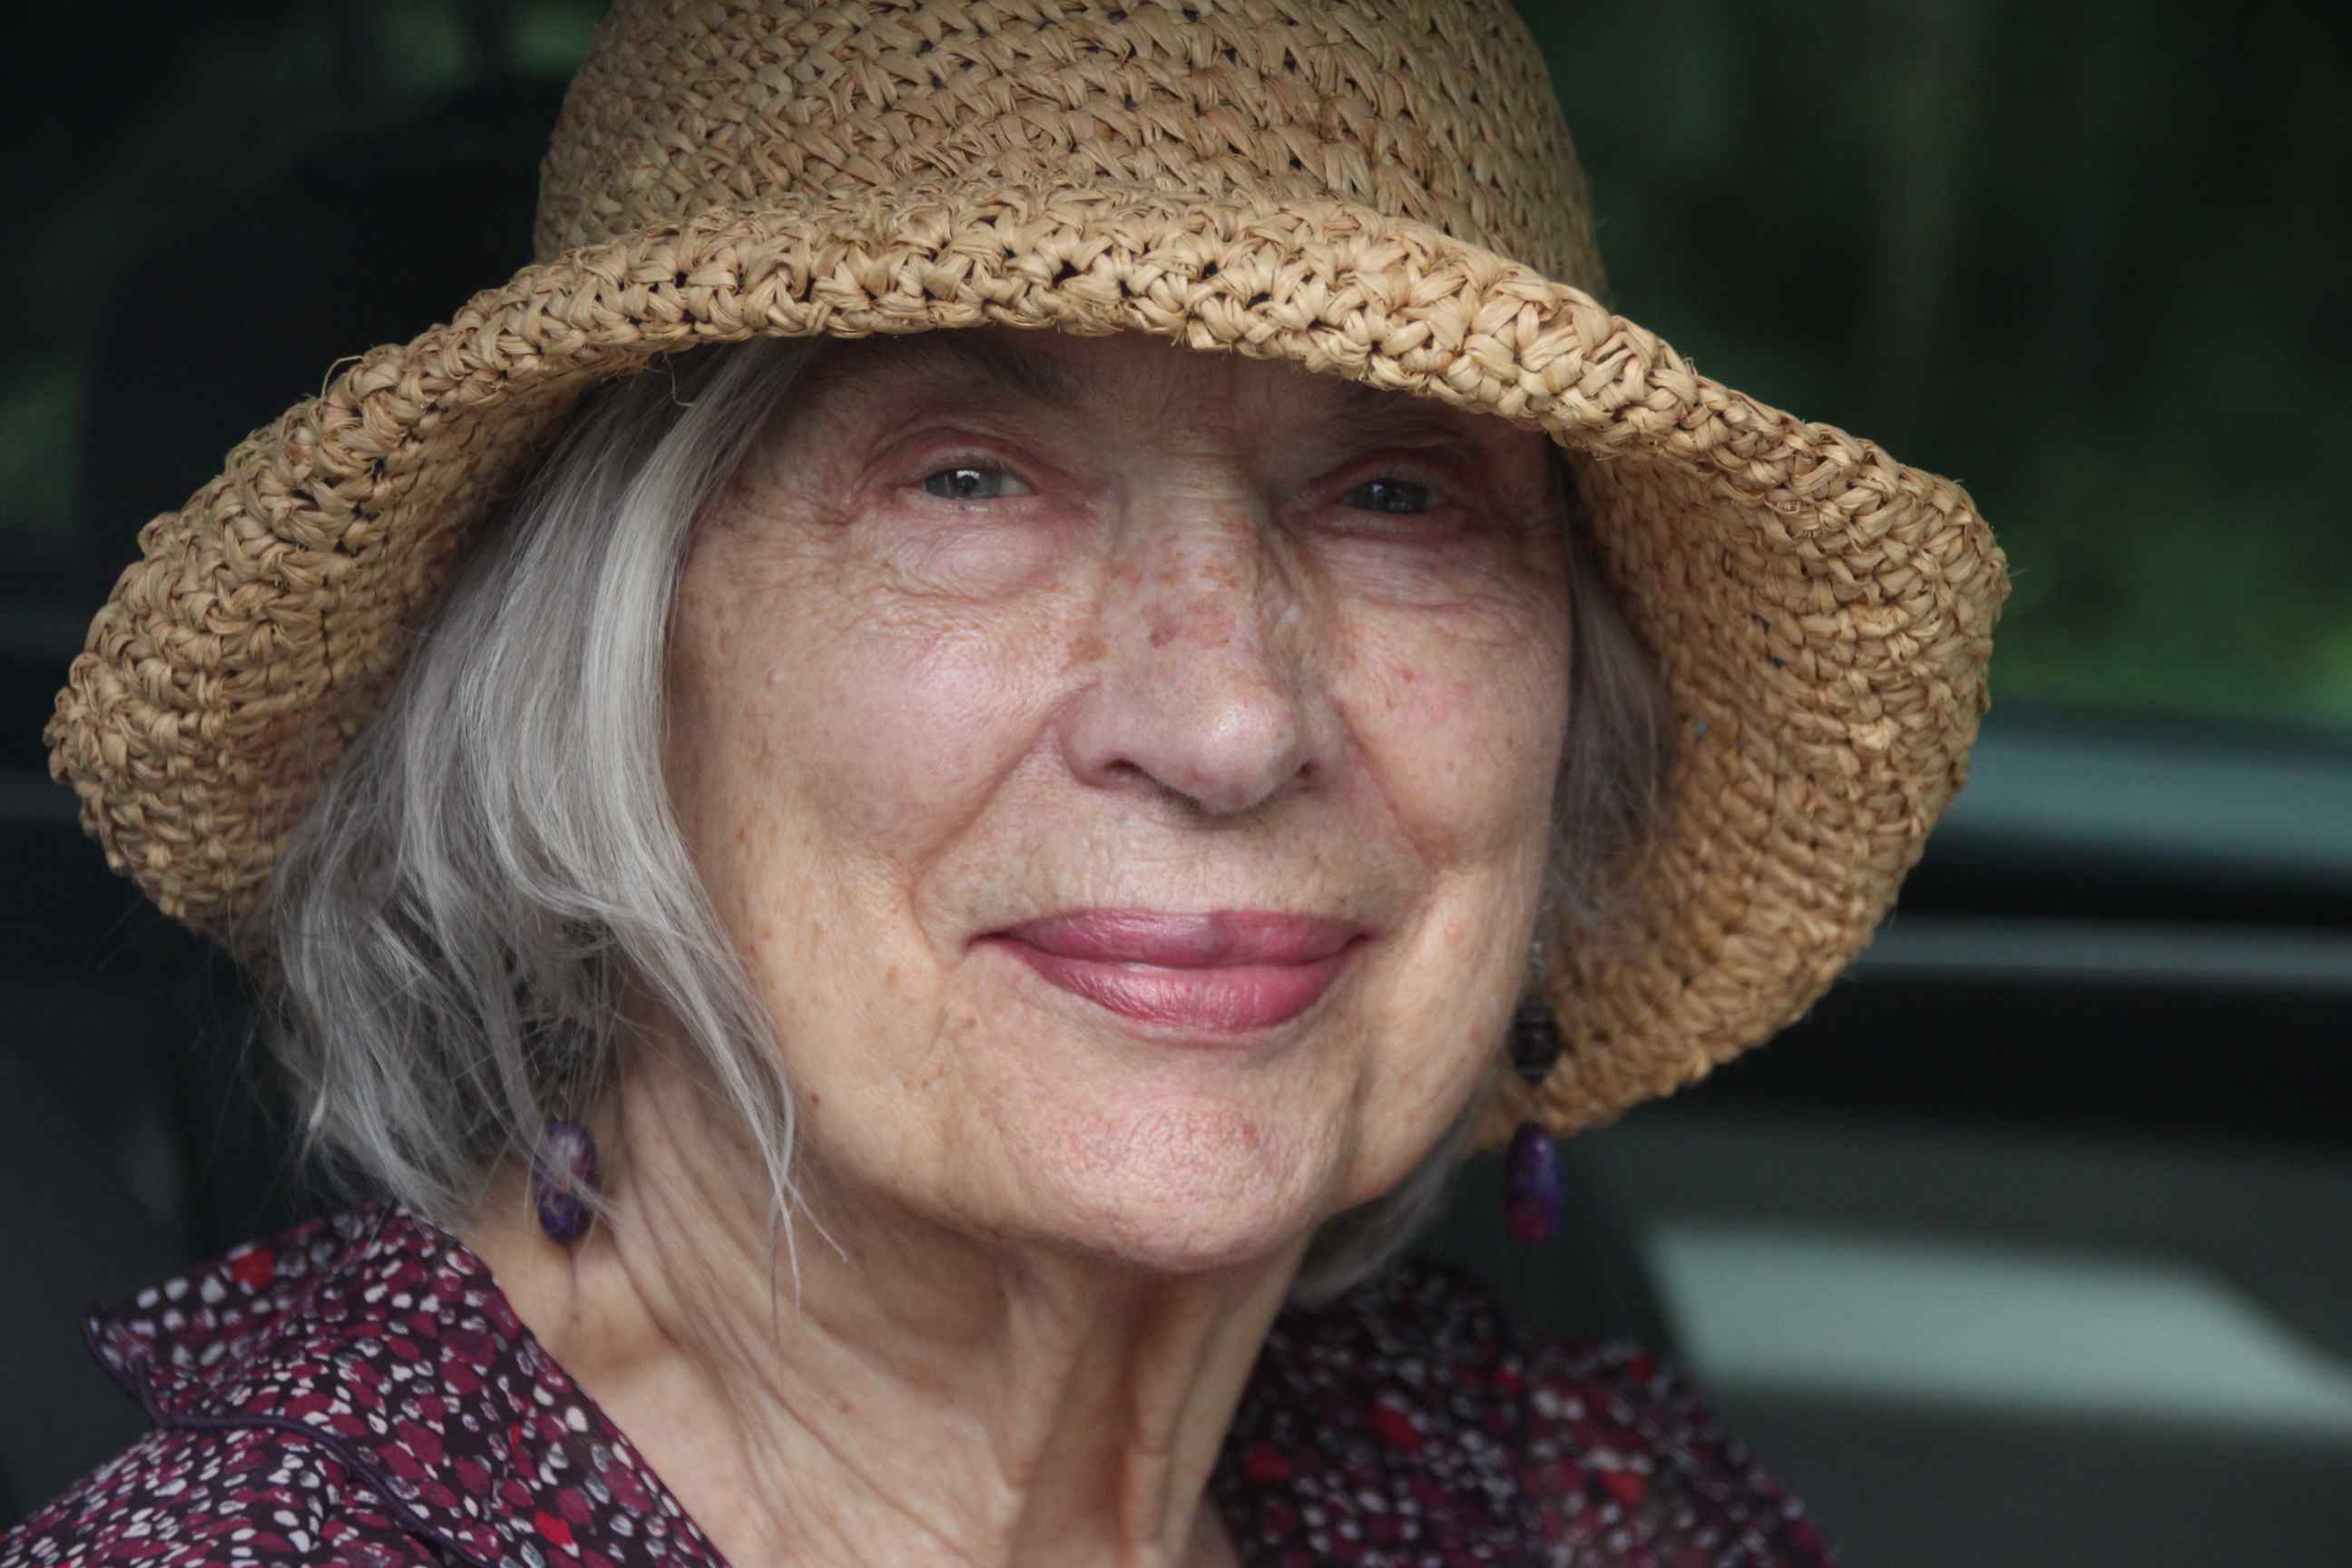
(2087, 256)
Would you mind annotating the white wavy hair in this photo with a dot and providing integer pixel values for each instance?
(451, 923)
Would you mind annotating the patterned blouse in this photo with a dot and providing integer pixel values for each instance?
(357, 1391)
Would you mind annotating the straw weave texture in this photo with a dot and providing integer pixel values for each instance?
(1378, 191)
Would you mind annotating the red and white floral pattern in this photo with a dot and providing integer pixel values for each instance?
(359, 1392)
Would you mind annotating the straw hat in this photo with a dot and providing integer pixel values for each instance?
(1380, 190)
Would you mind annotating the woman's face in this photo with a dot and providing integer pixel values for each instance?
(1127, 773)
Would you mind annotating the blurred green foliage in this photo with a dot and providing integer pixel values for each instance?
(2087, 256)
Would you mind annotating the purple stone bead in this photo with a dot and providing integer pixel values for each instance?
(1531, 1190)
(562, 1176)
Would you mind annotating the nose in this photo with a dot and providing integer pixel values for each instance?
(1203, 689)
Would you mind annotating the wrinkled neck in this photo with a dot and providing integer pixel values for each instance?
(889, 1391)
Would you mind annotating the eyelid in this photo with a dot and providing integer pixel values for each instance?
(963, 456)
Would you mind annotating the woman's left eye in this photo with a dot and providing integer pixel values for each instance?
(1401, 496)
(972, 481)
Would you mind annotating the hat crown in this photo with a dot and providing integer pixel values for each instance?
(1436, 110)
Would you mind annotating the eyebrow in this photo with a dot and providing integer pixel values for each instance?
(1031, 376)
(1040, 379)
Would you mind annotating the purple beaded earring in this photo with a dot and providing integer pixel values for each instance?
(1531, 1186)
(562, 1174)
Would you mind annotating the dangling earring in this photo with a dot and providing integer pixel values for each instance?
(1531, 1186)
(562, 1174)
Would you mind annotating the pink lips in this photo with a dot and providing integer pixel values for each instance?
(1227, 972)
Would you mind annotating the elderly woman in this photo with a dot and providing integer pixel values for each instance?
(899, 914)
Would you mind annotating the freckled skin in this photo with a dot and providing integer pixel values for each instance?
(1166, 664)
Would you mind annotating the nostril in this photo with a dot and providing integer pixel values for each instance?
(1218, 734)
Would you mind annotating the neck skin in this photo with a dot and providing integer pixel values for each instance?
(929, 1397)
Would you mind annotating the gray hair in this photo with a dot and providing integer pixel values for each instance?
(451, 922)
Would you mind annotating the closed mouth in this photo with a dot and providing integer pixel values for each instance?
(1225, 972)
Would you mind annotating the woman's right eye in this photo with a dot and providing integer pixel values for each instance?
(972, 481)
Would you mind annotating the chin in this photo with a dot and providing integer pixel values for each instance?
(1185, 1189)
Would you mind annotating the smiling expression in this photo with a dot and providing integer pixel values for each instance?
(1127, 773)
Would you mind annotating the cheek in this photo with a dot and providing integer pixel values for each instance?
(905, 734)
(1462, 733)
(826, 748)
(845, 732)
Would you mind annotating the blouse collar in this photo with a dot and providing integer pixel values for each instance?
(382, 1338)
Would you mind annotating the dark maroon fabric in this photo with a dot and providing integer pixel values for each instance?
(358, 1391)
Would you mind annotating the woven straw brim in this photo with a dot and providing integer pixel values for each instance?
(1821, 613)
